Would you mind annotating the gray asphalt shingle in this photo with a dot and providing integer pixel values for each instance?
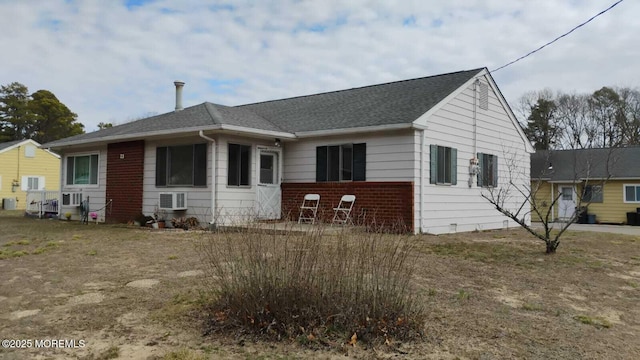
(569, 165)
(384, 104)
(391, 103)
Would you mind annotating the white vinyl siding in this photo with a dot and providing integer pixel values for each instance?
(461, 207)
(234, 204)
(198, 198)
(389, 156)
(95, 193)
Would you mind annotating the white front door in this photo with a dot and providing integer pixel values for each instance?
(268, 201)
(567, 201)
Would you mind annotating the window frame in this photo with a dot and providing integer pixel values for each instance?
(239, 170)
(488, 178)
(443, 174)
(198, 175)
(589, 199)
(636, 190)
(327, 156)
(73, 179)
(26, 179)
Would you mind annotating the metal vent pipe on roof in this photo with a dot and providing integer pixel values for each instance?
(179, 85)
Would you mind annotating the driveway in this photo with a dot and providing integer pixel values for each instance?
(613, 229)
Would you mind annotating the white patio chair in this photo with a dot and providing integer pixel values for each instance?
(342, 213)
(309, 208)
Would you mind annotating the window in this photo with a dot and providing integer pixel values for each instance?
(32, 183)
(592, 193)
(30, 151)
(632, 193)
(488, 176)
(341, 162)
(82, 170)
(183, 165)
(268, 168)
(239, 163)
(443, 165)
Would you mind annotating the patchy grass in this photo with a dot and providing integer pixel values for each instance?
(532, 306)
(595, 321)
(488, 294)
(184, 354)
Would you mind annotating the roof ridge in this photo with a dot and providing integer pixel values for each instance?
(361, 87)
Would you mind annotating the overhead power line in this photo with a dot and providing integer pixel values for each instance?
(559, 37)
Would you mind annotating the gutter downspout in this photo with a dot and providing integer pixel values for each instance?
(213, 177)
(422, 177)
(475, 117)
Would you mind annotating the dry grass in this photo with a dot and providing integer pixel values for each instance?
(492, 295)
(313, 287)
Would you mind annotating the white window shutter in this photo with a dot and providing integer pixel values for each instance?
(25, 183)
(41, 185)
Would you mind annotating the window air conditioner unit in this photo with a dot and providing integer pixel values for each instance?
(173, 201)
(72, 199)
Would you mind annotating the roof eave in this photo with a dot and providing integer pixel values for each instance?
(134, 136)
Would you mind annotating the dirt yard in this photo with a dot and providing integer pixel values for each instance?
(125, 292)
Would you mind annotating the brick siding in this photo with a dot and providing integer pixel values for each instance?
(379, 204)
(125, 180)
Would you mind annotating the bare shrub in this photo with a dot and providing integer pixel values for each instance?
(313, 286)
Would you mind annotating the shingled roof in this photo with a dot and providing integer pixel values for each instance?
(385, 104)
(582, 164)
(400, 102)
(8, 144)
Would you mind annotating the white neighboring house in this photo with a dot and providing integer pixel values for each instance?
(406, 149)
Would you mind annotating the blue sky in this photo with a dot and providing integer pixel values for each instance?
(114, 61)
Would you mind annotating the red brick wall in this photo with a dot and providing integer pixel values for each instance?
(124, 180)
(387, 204)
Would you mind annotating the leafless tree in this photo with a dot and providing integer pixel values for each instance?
(589, 169)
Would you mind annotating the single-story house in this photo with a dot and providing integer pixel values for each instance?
(417, 153)
(25, 166)
(606, 181)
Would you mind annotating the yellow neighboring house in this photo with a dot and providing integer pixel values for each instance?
(604, 182)
(25, 166)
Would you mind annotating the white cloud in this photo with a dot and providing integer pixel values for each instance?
(109, 63)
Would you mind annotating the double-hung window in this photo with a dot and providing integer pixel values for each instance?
(443, 165)
(239, 164)
(82, 170)
(182, 165)
(345, 162)
(632, 193)
(488, 176)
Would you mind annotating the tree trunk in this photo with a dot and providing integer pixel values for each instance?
(552, 246)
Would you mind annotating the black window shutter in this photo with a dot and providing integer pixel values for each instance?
(161, 166)
(454, 166)
(359, 162)
(200, 164)
(70, 164)
(245, 164)
(321, 163)
(433, 165)
(232, 165)
(495, 171)
(481, 168)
